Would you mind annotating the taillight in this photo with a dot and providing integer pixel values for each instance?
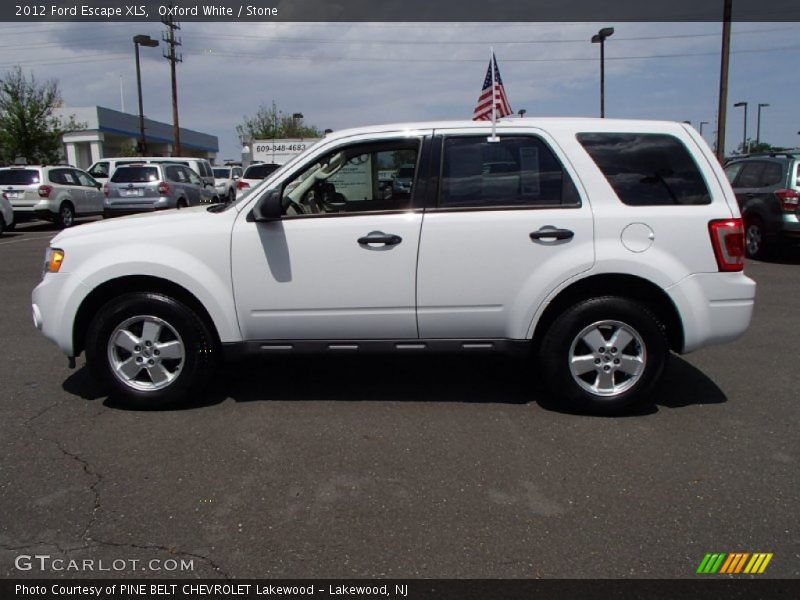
(727, 238)
(242, 185)
(44, 190)
(789, 199)
(163, 188)
(105, 190)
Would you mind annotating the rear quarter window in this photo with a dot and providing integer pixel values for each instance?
(135, 175)
(19, 177)
(647, 169)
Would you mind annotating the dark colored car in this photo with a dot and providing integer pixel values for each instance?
(767, 188)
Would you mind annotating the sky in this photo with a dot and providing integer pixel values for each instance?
(343, 75)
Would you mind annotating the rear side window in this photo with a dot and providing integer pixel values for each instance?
(260, 171)
(516, 171)
(135, 175)
(647, 169)
(750, 177)
(773, 174)
(19, 177)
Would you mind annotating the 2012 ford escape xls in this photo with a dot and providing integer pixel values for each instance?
(599, 246)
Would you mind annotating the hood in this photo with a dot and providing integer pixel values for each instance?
(139, 224)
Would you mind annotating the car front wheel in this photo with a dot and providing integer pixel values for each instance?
(604, 354)
(150, 349)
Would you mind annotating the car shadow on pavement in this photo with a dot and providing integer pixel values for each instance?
(434, 378)
(789, 255)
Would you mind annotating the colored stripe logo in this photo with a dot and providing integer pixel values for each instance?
(734, 563)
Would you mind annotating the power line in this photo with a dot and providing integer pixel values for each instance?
(105, 57)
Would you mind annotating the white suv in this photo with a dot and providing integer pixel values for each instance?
(57, 193)
(597, 246)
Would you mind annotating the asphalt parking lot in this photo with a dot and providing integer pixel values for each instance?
(426, 467)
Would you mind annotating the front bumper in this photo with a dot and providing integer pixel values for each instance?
(52, 309)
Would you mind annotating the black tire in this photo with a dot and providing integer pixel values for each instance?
(179, 323)
(565, 340)
(755, 242)
(231, 195)
(181, 203)
(2, 225)
(11, 227)
(66, 215)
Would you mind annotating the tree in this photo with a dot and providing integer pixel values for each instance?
(28, 127)
(269, 123)
(760, 147)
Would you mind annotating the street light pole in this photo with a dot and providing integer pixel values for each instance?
(600, 38)
(141, 40)
(758, 125)
(744, 134)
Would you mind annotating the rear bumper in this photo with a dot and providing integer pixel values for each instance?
(791, 226)
(715, 307)
(119, 208)
(39, 210)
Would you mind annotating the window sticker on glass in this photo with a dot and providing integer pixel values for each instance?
(529, 165)
(354, 179)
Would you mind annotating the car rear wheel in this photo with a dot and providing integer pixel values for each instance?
(755, 242)
(2, 225)
(150, 349)
(231, 195)
(66, 215)
(604, 354)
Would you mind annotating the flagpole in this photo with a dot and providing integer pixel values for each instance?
(493, 138)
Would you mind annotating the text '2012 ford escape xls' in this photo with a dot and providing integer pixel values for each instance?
(598, 245)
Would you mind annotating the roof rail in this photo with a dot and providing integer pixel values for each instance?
(770, 154)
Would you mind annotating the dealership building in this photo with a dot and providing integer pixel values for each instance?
(108, 133)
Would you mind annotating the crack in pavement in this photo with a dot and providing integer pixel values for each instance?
(170, 550)
(85, 537)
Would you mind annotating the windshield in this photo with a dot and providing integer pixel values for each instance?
(405, 173)
(135, 175)
(19, 177)
(224, 173)
(260, 171)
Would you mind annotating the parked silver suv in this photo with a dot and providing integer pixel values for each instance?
(144, 187)
(103, 169)
(57, 193)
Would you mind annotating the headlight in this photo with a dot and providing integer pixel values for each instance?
(53, 259)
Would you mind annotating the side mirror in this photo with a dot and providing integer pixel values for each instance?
(269, 208)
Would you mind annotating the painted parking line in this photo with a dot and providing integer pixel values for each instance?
(27, 238)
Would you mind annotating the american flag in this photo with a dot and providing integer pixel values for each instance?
(483, 111)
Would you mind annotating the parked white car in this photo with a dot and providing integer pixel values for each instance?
(597, 248)
(57, 193)
(6, 214)
(225, 179)
(253, 175)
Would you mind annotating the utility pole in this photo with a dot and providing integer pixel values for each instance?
(723, 79)
(173, 57)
